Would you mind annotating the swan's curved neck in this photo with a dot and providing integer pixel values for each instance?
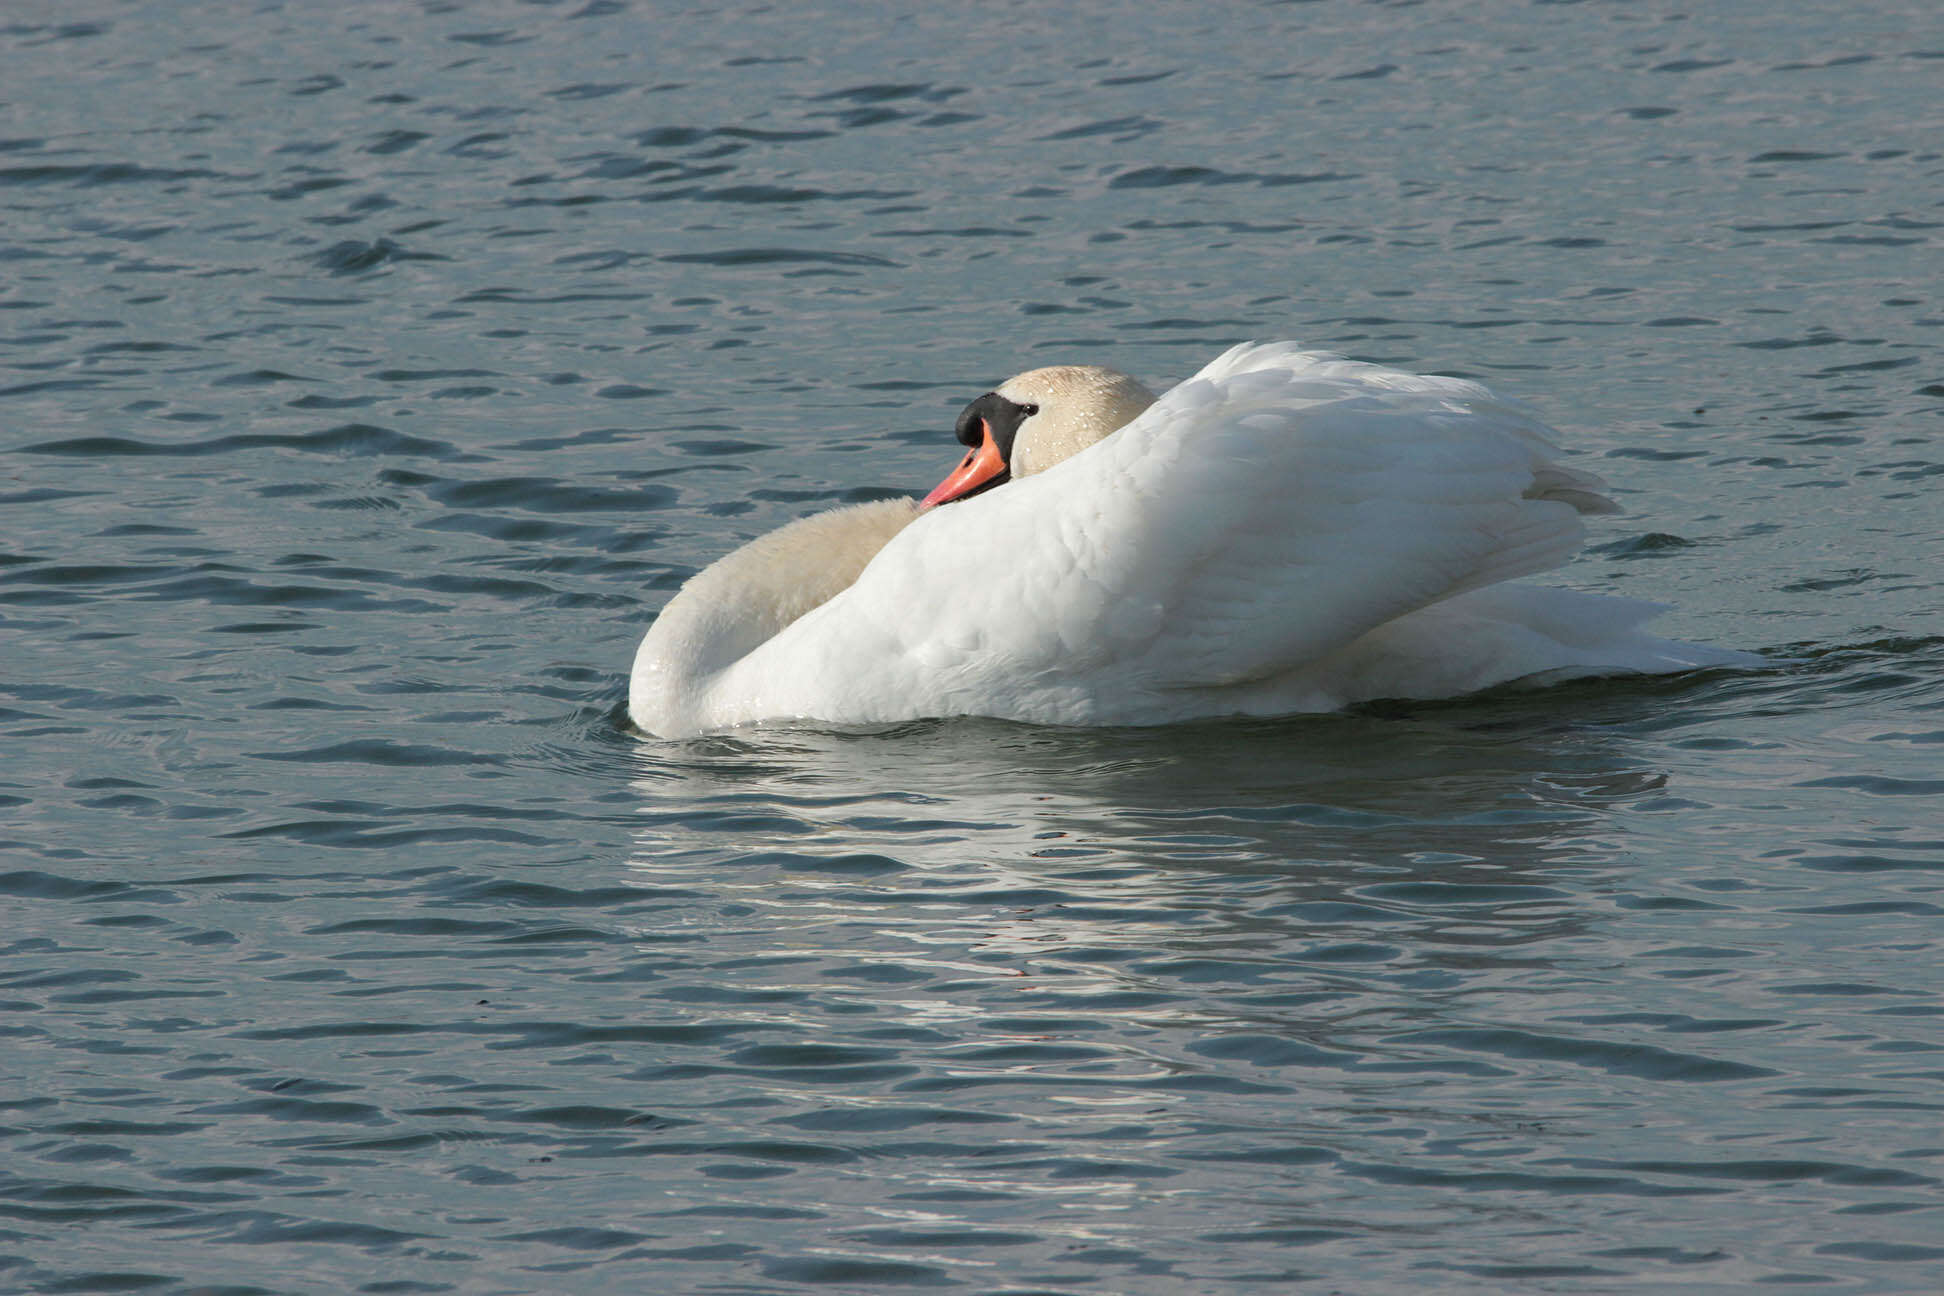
(740, 602)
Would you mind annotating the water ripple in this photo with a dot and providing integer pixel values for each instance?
(351, 933)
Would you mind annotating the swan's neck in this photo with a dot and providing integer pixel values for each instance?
(739, 602)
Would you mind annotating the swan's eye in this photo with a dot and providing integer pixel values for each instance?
(1027, 411)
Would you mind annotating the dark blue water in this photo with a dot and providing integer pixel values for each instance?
(370, 374)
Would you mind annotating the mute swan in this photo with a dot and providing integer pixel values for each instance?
(1286, 531)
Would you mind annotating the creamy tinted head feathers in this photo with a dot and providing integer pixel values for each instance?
(1078, 405)
(1035, 421)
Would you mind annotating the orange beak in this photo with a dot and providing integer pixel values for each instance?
(982, 466)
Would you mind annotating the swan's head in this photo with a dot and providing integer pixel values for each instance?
(1034, 421)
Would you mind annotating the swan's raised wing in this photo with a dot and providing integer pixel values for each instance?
(1259, 516)
(1290, 502)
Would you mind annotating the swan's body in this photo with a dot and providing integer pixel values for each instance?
(1286, 531)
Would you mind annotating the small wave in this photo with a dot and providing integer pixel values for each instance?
(354, 256)
(104, 173)
(735, 257)
(1644, 1061)
(346, 438)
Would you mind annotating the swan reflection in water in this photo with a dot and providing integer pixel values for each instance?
(1459, 827)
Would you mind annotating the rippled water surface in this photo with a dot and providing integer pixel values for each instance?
(371, 373)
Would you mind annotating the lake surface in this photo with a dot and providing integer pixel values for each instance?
(370, 374)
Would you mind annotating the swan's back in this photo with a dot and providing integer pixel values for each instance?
(1294, 501)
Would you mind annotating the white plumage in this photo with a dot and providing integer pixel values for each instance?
(1286, 531)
